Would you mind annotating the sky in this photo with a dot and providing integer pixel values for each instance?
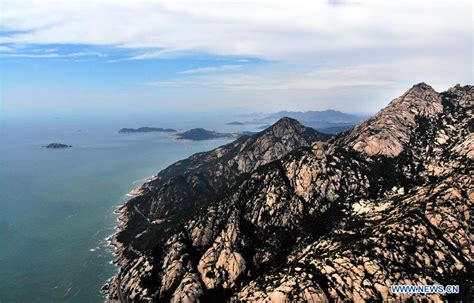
(91, 56)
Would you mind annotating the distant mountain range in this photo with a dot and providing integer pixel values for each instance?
(291, 215)
(329, 115)
(326, 121)
(147, 129)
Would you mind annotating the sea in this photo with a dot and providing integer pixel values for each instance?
(57, 205)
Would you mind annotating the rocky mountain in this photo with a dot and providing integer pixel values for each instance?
(285, 216)
(176, 193)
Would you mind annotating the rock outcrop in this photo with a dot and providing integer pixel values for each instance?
(386, 203)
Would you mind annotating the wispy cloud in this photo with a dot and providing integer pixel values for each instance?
(212, 69)
(238, 60)
(279, 80)
(298, 78)
(5, 48)
(158, 54)
(51, 55)
(45, 50)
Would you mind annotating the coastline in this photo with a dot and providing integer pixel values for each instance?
(110, 288)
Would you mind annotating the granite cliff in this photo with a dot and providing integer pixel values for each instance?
(289, 215)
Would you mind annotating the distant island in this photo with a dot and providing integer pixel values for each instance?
(332, 116)
(57, 146)
(335, 129)
(235, 123)
(147, 130)
(245, 133)
(326, 121)
(199, 134)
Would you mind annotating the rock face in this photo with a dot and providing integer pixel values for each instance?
(386, 203)
(389, 131)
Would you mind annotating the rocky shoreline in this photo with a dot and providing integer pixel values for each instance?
(111, 285)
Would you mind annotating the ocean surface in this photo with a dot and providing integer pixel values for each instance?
(57, 206)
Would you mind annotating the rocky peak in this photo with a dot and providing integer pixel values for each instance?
(288, 127)
(420, 100)
(286, 124)
(387, 133)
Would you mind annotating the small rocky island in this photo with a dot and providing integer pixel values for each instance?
(57, 146)
(199, 134)
(147, 129)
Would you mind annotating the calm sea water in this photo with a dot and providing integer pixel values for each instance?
(57, 206)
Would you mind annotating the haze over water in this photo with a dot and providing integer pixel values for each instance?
(57, 206)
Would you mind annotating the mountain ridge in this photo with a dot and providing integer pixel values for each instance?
(325, 219)
(204, 176)
(322, 115)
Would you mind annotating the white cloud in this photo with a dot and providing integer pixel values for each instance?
(212, 69)
(267, 29)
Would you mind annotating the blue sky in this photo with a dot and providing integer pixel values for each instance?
(71, 57)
